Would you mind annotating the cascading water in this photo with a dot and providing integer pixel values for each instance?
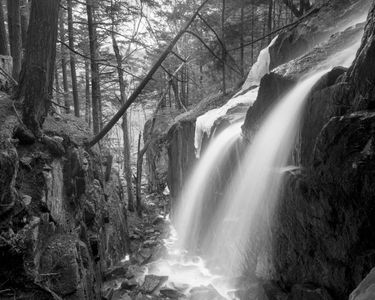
(254, 190)
(221, 237)
(188, 220)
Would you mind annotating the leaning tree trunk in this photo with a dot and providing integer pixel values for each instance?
(125, 129)
(14, 28)
(73, 59)
(95, 77)
(38, 67)
(3, 34)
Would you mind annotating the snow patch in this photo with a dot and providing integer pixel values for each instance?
(260, 68)
(205, 122)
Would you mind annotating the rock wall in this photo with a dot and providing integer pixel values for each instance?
(323, 227)
(61, 224)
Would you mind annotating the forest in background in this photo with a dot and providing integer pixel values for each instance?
(104, 50)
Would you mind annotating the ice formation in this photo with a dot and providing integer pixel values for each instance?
(205, 122)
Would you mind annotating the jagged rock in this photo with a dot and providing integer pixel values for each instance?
(321, 107)
(274, 292)
(62, 267)
(129, 284)
(308, 292)
(116, 272)
(8, 173)
(172, 294)
(135, 271)
(366, 289)
(267, 97)
(153, 283)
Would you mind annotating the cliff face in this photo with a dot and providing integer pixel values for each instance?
(61, 224)
(323, 228)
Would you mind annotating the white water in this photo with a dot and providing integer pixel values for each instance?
(190, 204)
(205, 122)
(254, 190)
(249, 200)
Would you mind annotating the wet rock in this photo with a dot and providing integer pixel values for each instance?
(63, 269)
(204, 293)
(116, 272)
(308, 292)
(137, 272)
(366, 289)
(159, 220)
(172, 294)
(274, 292)
(129, 284)
(267, 98)
(153, 283)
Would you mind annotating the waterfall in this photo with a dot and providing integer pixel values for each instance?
(254, 189)
(188, 220)
(220, 227)
(260, 68)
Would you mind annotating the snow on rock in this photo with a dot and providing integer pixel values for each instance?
(260, 68)
(205, 122)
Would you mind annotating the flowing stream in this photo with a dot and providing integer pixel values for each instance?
(222, 233)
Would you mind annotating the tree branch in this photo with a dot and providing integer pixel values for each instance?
(145, 81)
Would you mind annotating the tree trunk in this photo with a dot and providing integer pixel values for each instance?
(174, 83)
(73, 59)
(38, 67)
(242, 40)
(294, 10)
(63, 62)
(57, 85)
(87, 93)
(125, 130)
(139, 175)
(3, 34)
(224, 85)
(145, 81)
(25, 15)
(95, 77)
(14, 28)
(269, 23)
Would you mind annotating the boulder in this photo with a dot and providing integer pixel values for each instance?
(308, 292)
(366, 289)
(153, 283)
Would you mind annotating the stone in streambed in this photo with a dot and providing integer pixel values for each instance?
(153, 283)
(116, 272)
(172, 294)
(129, 284)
